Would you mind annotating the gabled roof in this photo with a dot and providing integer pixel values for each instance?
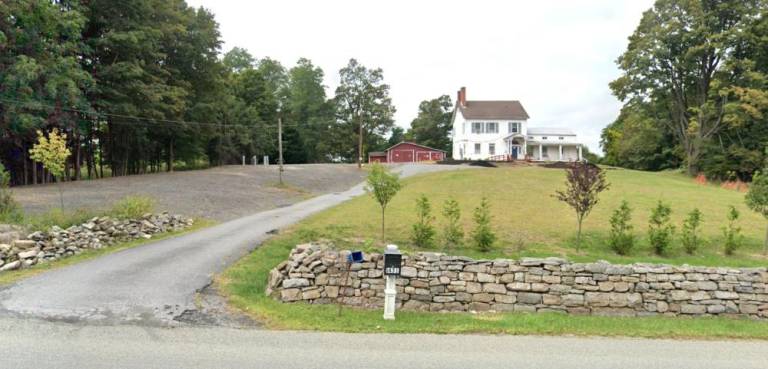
(555, 131)
(414, 144)
(502, 109)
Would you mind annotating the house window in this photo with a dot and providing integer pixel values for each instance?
(514, 127)
(477, 127)
(530, 137)
(477, 149)
(561, 137)
(544, 138)
(544, 151)
(492, 127)
(491, 149)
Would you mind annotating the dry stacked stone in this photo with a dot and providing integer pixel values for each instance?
(314, 274)
(39, 247)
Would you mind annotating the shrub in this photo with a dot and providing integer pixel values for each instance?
(132, 207)
(10, 212)
(690, 231)
(453, 233)
(757, 199)
(483, 235)
(621, 239)
(732, 232)
(423, 231)
(660, 232)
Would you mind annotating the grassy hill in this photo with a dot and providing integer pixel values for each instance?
(530, 222)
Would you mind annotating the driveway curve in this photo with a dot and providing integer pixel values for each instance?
(155, 283)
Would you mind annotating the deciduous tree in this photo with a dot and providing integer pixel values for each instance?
(52, 152)
(683, 61)
(584, 183)
(383, 186)
(363, 105)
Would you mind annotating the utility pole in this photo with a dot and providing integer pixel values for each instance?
(360, 143)
(280, 146)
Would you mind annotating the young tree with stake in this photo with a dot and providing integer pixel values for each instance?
(52, 151)
(584, 182)
(383, 186)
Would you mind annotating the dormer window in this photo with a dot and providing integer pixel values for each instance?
(544, 138)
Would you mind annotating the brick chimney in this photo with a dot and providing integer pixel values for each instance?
(462, 97)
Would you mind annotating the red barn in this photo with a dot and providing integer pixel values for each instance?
(406, 152)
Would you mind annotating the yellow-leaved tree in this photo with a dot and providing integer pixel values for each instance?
(52, 151)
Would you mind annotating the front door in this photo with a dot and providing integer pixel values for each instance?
(514, 152)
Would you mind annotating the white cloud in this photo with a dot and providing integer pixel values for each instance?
(556, 57)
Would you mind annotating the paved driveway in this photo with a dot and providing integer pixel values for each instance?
(156, 282)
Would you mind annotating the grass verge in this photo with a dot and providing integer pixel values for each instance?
(19, 274)
(244, 284)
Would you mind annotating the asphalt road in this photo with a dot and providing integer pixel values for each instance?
(155, 283)
(40, 344)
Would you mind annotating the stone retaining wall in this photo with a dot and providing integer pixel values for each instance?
(17, 251)
(436, 282)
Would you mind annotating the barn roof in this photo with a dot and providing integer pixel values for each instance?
(414, 144)
(377, 153)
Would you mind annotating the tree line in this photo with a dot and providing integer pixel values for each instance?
(141, 86)
(695, 89)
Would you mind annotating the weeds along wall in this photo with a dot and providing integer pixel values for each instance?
(436, 282)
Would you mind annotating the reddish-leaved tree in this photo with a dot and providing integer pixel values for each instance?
(584, 183)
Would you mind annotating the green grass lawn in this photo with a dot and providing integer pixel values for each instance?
(529, 222)
(12, 276)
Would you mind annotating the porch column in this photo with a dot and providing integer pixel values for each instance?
(560, 152)
(540, 153)
(579, 152)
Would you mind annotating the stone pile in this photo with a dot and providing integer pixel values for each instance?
(437, 282)
(18, 252)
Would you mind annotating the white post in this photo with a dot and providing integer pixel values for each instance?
(266, 160)
(390, 288)
(243, 160)
(560, 151)
(541, 153)
(390, 294)
(255, 160)
(579, 152)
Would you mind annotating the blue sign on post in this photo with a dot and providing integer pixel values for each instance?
(355, 257)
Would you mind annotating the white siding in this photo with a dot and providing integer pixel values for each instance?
(464, 140)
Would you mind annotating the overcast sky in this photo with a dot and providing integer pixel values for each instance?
(556, 57)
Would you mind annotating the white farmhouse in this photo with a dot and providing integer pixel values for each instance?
(498, 130)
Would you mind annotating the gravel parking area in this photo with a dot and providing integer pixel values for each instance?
(220, 193)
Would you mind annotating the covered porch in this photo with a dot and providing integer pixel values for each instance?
(540, 151)
(515, 147)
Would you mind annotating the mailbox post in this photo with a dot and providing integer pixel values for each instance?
(393, 262)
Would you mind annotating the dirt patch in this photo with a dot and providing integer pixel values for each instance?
(220, 193)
